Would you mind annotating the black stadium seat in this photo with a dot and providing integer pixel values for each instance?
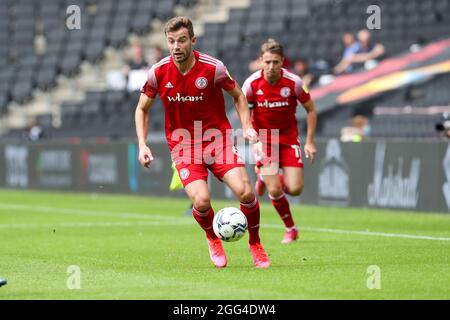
(310, 30)
(46, 79)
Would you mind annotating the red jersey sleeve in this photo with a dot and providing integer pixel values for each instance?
(248, 92)
(150, 87)
(301, 91)
(222, 78)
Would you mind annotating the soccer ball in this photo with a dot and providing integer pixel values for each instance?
(229, 224)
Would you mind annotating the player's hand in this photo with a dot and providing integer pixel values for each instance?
(310, 151)
(145, 156)
(258, 151)
(251, 135)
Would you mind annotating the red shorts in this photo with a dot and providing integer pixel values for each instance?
(223, 162)
(288, 155)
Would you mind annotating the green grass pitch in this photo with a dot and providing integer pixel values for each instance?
(135, 247)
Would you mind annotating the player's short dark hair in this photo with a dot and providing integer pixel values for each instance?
(177, 23)
(273, 47)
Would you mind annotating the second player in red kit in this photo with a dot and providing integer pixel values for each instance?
(273, 94)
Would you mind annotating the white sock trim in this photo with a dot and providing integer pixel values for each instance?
(201, 214)
(250, 204)
(276, 198)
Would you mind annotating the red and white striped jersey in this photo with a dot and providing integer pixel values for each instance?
(195, 96)
(274, 106)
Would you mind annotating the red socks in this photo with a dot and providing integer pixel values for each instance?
(281, 204)
(205, 220)
(251, 211)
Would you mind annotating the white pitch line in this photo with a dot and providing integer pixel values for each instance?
(365, 233)
(70, 211)
(89, 224)
(176, 220)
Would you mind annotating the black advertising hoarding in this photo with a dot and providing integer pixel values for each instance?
(101, 167)
(15, 166)
(413, 175)
(52, 166)
(394, 175)
(154, 180)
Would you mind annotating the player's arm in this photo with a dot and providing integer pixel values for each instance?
(141, 120)
(311, 120)
(241, 105)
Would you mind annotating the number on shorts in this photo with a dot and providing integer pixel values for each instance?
(298, 152)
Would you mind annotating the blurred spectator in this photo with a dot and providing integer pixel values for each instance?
(365, 53)
(35, 131)
(301, 68)
(443, 126)
(157, 54)
(137, 61)
(357, 131)
(134, 71)
(135, 68)
(351, 47)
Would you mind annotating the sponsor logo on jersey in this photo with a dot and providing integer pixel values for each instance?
(184, 173)
(201, 83)
(180, 98)
(285, 92)
(259, 92)
(274, 104)
(169, 85)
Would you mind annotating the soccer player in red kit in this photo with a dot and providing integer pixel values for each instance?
(190, 85)
(272, 94)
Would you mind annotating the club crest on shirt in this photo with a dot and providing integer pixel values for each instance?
(285, 92)
(201, 82)
(184, 173)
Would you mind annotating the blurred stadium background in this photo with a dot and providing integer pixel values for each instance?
(78, 86)
(67, 101)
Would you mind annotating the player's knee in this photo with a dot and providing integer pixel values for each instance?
(295, 190)
(275, 193)
(202, 203)
(246, 194)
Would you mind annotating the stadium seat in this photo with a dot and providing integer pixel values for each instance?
(94, 51)
(70, 63)
(141, 22)
(308, 29)
(46, 79)
(21, 91)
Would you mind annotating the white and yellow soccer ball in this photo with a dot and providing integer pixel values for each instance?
(230, 224)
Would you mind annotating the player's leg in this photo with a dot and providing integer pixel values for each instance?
(194, 179)
(293, 185)
(238, 181)
(293, 180)
(292, 164)
(198, 192)
(281, 205)
(260, 186)
(288, 182)
(261, 167)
